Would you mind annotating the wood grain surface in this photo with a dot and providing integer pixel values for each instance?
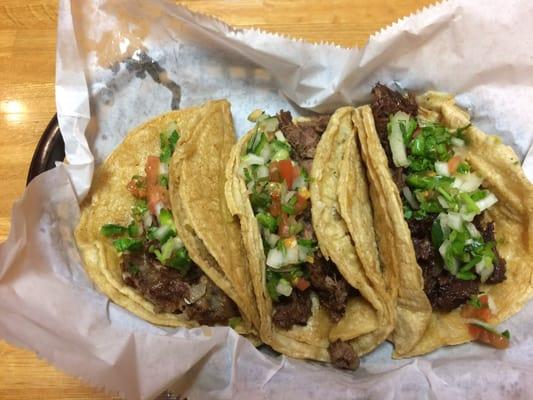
(27, 66)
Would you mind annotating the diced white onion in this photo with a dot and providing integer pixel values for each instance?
(177, 243)
(410, 198)
(291, 256)
(272, 239)
(262, 171)
(158, 207)
(399, 155)
(468, 182)
(288, 196)
(442, 168)
(492, 305)
(442, 250)
(472, 230)
(266, 153)
(468, 217)
(147, 219)
(484, 268)
(284, 287)
(274, 258)
(486, 202)
(303, 253)
(442, 201)
(163, 168)
(453, 220)
(458, 142)
(279, 135)
(252, 159)
(298, 182)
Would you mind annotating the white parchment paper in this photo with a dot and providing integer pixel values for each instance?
(121, 62)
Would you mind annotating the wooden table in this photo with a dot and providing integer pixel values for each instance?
(27, 65)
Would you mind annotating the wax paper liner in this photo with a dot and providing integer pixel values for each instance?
(121, 62)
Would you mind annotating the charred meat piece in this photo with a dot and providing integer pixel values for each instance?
(303, 137)
(292, 310)
(451, 292)
(330, 286)
(214, 307)
(164, 287)
(343, 355)
(444, 291)
(172, 292)
(487, 232)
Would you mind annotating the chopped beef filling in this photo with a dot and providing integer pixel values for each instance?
(444, 291)
(330, 286)
(303, 137)
(343, 355)
(292, 310)
(487, 231)
(171, 292)
(326, 281)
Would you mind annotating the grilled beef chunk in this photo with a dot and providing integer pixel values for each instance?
(444, 291)
(172, 292)
(450, 292)
(343, 355)
(292, 310)
(330, 286)
(215, 307)
(386, 103)
(303, 137)
(487, 232)
(164, 287)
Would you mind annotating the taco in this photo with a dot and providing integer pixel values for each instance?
(155, 233)
(453, 216)
(320, 293)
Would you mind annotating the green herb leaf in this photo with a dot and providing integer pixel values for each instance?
(180, 261)
(474, 301)
(111, 230)
(260, 200)
(268, 221)
(506, 334)
(127, 244)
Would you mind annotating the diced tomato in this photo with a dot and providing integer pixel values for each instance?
(302, 284)
(288, 172)
(453, 164)
(273, 172)
(155, 192)
(301, 205)
(482, 313)
(484, 299)
(137, 187)
(484, 336)
(283, 226)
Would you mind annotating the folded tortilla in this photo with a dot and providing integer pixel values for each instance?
(418, 329)
(369, 318)
(203, 222)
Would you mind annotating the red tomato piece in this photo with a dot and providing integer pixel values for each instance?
(155, 192)
(487, 337)
(453, 164)
(302, 284)
(287, 172)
